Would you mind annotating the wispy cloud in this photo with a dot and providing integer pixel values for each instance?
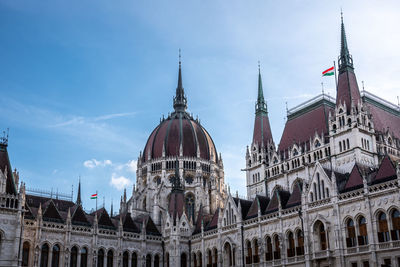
(114, 116)
(120, 182)
(92, 163)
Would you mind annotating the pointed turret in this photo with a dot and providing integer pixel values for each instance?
(180, 101)
(262, 129)
(78, 197)
(347, 88)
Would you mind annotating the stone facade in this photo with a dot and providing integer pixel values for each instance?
(327, 195)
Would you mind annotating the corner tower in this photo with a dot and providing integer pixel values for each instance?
(262, 146)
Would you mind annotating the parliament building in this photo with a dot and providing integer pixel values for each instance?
(328, 194)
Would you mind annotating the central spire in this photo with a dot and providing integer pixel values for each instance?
(345, 59)
(261, 106)
(180, 101)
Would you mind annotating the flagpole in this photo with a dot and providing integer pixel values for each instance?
(96, 199)
(334, 66)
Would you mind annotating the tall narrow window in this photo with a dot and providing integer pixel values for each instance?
(249, 253)
(73, 262)
(110, 258)
(84, 257)
(277, 252)
(291, 249)
(362, 228)
(383, 231)
(268, 253)
(55, 260)
(156, 261)
(395, 225)
(134, 260)
(189, 202)
(25, 254)
(351, 234)
(256, 258)
(100, 258)
(300, 243)
(125, 259)
(44, 255)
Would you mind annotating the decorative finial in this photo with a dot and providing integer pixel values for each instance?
(322, 86)
(287, 110)
(4, 139)
(341, 14)
(259, 67)
(363, 86)
(179, 57)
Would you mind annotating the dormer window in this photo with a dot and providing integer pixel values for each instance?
(317, 143)
(295, 152)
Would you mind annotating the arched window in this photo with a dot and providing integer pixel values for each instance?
(351, 234)
(183, 260)
(134, 260)
(100, 258)
(55, 259)
(157, 261)
(277, 251)
(73, 262)
(189, 204)
(194, 259)
(300, 243)
(125, 259)
(215, 261)
(268, 253)
(249, 253)
(311, 196)
(256, 257)
(167, 259)
(44, 255)
(110, 258)
(209, 258)
(320, 230)
(383, 230)
(84, 257)
(362, 228)
(290, 249)
(315, 191)
(144, 203)
(25, 253)
(395, 225)
(148, 260)
(348, 143)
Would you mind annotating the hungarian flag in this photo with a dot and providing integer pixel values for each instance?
(328, 72)
(94, 196)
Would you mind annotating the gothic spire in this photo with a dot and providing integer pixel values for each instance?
(261, 106)
(176, 186)
(180, 101)
(345, 59)
(78, 197)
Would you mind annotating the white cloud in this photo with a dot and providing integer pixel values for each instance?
(92, 163)
(120, 182)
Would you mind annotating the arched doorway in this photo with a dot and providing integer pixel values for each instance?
(228, 254)
(25, 253)
(55, 260)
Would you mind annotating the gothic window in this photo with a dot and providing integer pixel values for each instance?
(300, 243)
(256, 258)
(44, 255)
(189, 202)
(315, 191)
(125, 259)
(311, 196)
(340, 146)
(55, 260)
(321, 234)
(144, 203)
(290, 250)
(73, 262)
(134, 260)
(268, 253)
(277, 251)
(110, 258)
(156, 261)
(25, 254)
(100, 258)
(383, 230)
(158, 180)
(348, 143)
(295, 153)
(249, 253)
(351, 234)
(317, 143)
(395, 225)
(84, 257)
(362, 228)
(148, 260)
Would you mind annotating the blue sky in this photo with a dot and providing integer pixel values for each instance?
(83, 83)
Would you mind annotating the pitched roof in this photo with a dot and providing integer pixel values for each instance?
(197, 228)
(386, 171)
(104, 220)
(62, 205)
(245, 205)
(259, 200)
(151, 228)
(295, 197)
(383, 119)
(214, 221)
(262, 130)
(303, 124)
(79, 216)
(175, 206)
(5, 166)
(51, 212)
(128, 224)
(347, 90)
(355, 180)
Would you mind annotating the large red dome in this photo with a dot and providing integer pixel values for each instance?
(180, 130)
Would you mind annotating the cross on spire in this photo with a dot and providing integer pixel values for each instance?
(345, 59)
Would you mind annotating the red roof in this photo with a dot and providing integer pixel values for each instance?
(384, 120)
(180, 129)
(176, 203)
(385, 172)
(355, 179)
(300, 129)
(262, 130)
(295, 197)
(347, 90)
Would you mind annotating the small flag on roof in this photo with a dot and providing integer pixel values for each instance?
(94, 196)
(328, 72)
